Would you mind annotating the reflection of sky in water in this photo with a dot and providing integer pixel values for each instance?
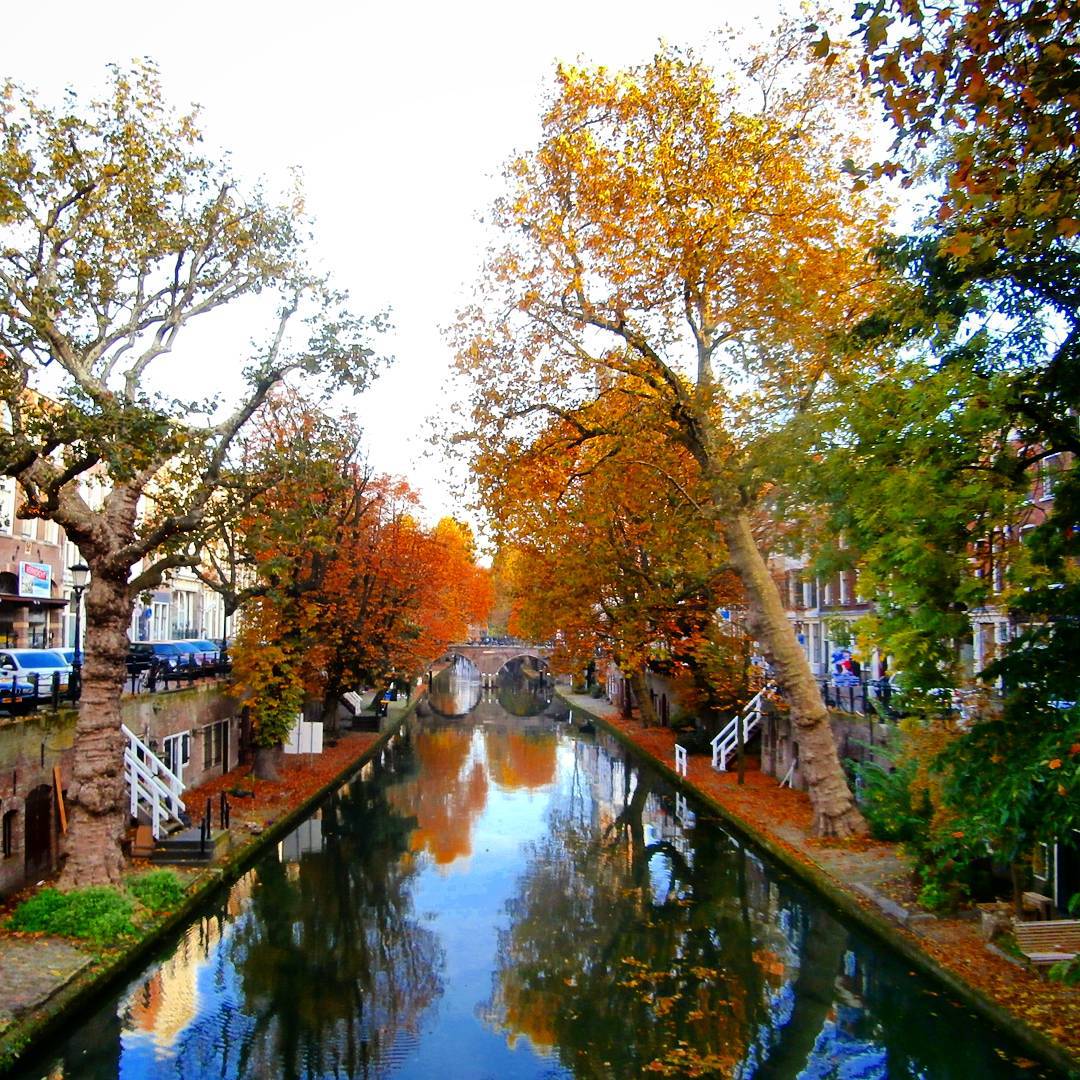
(188, 1017)
(465, 904)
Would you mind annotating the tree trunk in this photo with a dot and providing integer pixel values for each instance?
(98, 807)
(328, 714)
(640, 686)
(265, 765)
(835, 812)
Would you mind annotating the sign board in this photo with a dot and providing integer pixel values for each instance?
(7, 504)
(305, 739)
(35, 580)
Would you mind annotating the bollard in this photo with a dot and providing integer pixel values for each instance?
(207, 825)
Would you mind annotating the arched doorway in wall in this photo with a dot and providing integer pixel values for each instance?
(38, 816)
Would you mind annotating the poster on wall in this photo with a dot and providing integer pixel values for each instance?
(7, 504)
(35, 580)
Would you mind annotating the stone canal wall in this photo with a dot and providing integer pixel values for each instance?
(35, 763)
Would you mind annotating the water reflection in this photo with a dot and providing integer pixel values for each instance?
(456, 689)
(521, 687)
(504, 897)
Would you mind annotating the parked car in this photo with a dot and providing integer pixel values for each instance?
(15, 694)
(162, 655)
(25, 664)
(207, 654)
(67, 655)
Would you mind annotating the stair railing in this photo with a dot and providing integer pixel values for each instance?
(152, 784)
(726, 739)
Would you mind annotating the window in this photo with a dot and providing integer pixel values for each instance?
(1048, 475)
(176, 751)
(159, 620)
(214, 736)
(9, 832)
(1042, 863)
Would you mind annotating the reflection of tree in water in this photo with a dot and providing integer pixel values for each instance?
(332, 965)
(623, 976)
(446, 795)
(521, 689)
(521, 759)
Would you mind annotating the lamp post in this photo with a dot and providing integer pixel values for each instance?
(80, 574)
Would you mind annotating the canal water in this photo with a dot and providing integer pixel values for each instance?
(504, 895)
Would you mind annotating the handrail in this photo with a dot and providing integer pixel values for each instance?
(681, 764)
(726, 739)
(151, 781)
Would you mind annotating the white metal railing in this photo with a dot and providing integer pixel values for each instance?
(681, 764)
(152, 784)
(727, 739)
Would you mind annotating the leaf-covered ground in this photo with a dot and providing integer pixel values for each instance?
(784, 817)
(301, 775)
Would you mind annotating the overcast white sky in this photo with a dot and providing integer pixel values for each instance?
(400, 116)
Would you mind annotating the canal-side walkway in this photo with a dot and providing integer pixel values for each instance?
(869, 880)
(43, 978)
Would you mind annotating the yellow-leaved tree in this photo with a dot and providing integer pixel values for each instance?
(689, 243)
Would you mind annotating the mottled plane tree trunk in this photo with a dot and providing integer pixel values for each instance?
(688, 247)
(116, 232)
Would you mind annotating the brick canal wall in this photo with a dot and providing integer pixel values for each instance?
(202, 720)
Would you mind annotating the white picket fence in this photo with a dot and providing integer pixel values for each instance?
(726, 740)
(154, 787)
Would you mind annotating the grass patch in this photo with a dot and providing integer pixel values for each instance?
(157, 890)
(99, 914)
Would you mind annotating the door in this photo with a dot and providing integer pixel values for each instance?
(39, 831)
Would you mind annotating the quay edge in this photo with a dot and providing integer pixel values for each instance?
(26, 1034)
(852, 904)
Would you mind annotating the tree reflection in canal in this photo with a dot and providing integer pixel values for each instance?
(637, 945)
(335, 917)
(313, 964)
(608, 960)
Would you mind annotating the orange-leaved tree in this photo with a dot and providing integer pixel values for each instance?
(607, 549)
(672, 240)
(344, 586)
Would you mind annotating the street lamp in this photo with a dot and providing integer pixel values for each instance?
(80, 574)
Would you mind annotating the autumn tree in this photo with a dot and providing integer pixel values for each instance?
(300, 494)
(676, 239)
(117, 232)
(398, 594)
(344, 585)
(611, 552)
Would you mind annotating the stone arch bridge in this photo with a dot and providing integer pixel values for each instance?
(489, 659)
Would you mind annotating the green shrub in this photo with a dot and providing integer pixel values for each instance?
(936, 897)
(100, 914)
(887, 803)
(596, 690)
(157, 890)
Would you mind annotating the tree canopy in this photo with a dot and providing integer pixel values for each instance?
(676, 247)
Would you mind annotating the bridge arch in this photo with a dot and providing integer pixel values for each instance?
(490, 659)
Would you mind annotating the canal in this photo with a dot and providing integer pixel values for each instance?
(506, 895)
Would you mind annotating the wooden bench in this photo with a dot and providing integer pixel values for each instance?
(1040, 906)
(1046, 942)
